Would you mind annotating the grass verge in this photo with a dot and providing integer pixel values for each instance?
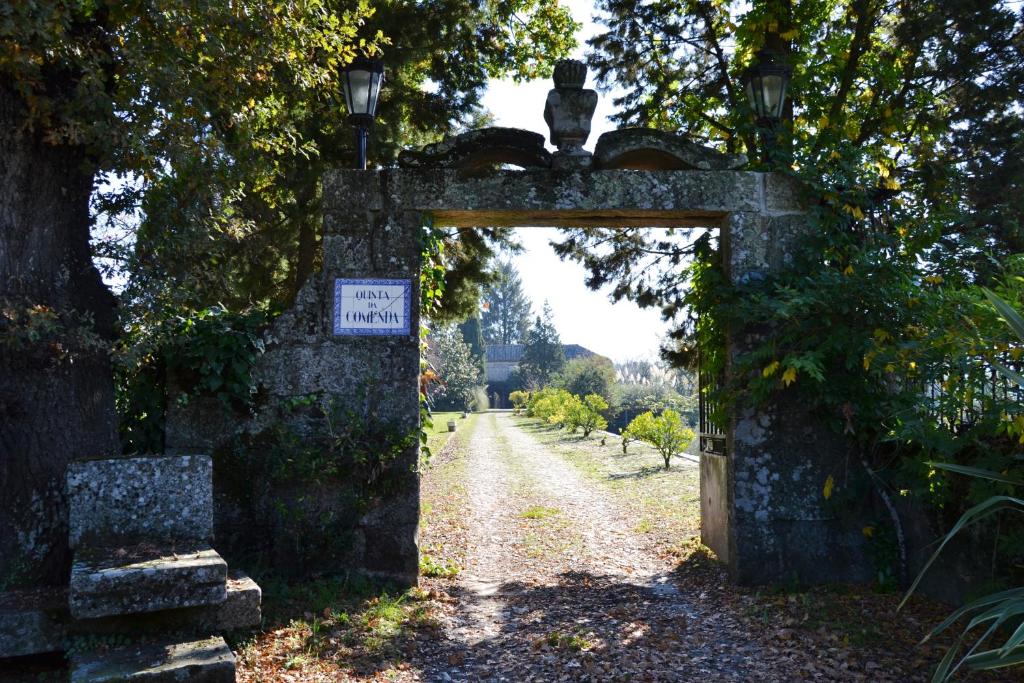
(663, 503)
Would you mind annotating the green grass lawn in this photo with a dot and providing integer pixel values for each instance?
(438, 435)
(665, 503)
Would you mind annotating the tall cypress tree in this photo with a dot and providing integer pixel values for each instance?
(506, 317)
(473, 335)
(543, 356)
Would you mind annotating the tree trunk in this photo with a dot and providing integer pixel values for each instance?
(56, 319)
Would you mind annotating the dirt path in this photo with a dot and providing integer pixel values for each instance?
(559, 586)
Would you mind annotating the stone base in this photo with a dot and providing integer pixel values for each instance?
(32, 622)
(36, 622)
(561, 161)
(117, 581)
(202, 661)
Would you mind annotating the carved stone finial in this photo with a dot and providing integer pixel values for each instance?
(568, 111)
(570, 74)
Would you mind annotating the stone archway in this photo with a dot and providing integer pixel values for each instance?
(761, 502)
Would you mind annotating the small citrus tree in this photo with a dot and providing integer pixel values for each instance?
(587, 414)
(519, 400)
(665, 432)
(637, 429)
(548, 403)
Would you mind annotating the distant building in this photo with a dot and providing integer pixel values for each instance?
(502, 358)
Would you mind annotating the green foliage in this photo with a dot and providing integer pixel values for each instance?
(472, 334)
(433, 271)
(227, 131)
(589, 375)
(460, 374)
(558, 407)
(543, 356)
(586, 414)
(519, 399)
(630, 400)
(1002, 610)
(547, 403)
(444, 569)
(314, 470)
(43, 336)
(665, 432)
(506, 317)
(210, 353)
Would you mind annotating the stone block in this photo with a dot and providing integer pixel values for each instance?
(582, 198)
(32, 621)
(348, 189)
(200, 661)
(783, 195)
(480, 149)
(198, 426)
(240, 610)
(111, 581)
(159, 498)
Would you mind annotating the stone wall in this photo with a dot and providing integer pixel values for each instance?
(339, 524)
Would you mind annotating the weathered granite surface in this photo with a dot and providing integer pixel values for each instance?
(108, 581)
(650, 149)
(209, 660)
(158, 498)
(32, 621)
(484, 148)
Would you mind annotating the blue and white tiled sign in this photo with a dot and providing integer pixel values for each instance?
(372, 307)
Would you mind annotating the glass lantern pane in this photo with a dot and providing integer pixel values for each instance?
(771, 86)
(359, 91)
(378, 79)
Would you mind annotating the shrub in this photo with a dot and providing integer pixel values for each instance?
(586, 414)
(665, 432)
(568, 413)
(519, 400)
(590, 375)
(547, 403)
(638, 427)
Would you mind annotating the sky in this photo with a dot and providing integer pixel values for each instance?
(619, 331)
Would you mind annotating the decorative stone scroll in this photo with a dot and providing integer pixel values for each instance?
(482, 149)
(648, 149)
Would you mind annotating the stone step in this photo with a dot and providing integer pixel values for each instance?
(240, 610)
(208, 660)
(144, 578)
(36, 622)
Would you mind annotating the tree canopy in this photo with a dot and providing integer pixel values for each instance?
(543, 356)
(506, 316)
(191, 137)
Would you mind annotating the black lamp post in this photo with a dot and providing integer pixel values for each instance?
(361, 81)
(766, 82)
